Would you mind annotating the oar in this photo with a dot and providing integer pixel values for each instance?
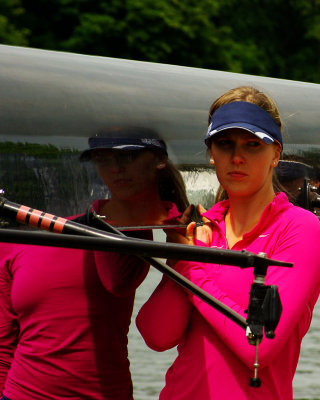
(95, 239)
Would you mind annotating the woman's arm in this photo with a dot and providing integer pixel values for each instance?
(163, 319)
(298, 288)
(120, 274)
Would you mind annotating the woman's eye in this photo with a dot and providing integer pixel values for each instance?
(223, 142)
(253, 143)
(99, 160)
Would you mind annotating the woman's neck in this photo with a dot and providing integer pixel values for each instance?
(244, 214)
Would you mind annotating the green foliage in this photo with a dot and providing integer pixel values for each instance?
(279, 38)
(283, 34)
(47, 151)
(10, 33)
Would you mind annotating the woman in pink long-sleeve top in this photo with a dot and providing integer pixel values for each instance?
(215, 360)
(65, 313)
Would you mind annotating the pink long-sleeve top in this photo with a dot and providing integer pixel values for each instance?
(215, 360)
(64, 319)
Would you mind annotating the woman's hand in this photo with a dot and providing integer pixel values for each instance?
(193, 232)
(202, 233)
(179, 235)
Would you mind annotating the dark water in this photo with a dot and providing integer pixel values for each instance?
(149, 367)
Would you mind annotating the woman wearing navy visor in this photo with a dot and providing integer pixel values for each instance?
(215, 360)
(65, 313)
(134, 166)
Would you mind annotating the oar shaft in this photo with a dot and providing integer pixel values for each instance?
(53, 223)
(94, 239)
(107, 244)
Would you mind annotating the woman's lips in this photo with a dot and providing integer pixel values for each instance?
(121, 181)
(237, 174)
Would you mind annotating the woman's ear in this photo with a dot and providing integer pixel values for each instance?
(161, 161)
(210, 156)
(277, 155)
(161, 165)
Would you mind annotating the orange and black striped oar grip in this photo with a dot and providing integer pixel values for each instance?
(39, 219)
(46, 221)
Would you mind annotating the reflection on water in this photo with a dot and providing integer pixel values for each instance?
(148, 367)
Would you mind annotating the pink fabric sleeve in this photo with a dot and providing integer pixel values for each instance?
(298, 288)
(120, 274)
(163, 319)
(8, 324)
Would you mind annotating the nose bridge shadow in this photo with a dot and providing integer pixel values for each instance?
(237, 156)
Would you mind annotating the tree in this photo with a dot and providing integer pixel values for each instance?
(10, 33)
(284, 36)
(279, 38)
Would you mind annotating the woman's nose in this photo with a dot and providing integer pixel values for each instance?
(237, 156)
(116, 166)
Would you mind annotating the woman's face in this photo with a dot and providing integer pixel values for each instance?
(244, 163)
(128, 174)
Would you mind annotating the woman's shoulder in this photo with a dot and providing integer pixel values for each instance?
(10, 251)
(298, 216)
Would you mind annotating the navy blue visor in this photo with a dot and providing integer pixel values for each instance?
(246, 116)
(121, 143)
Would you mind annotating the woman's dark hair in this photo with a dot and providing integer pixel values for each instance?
(172, 187)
